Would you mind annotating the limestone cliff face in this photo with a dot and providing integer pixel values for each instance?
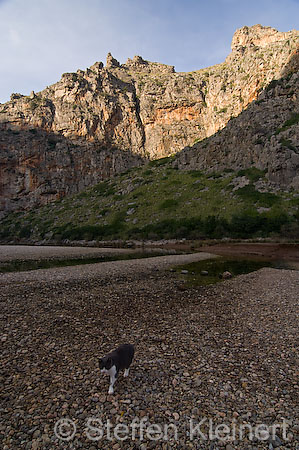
(95, 123)
(265, 135)
(257, 36)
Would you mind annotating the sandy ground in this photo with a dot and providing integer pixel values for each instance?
(224, 353)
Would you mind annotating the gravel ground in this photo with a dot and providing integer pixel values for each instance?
(101, 270)
(224, 353)
(27, 252)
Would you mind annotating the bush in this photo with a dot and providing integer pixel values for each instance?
(291, 230)
(104, 189)
(168, 203)
(161, 161)
(147, 172)
(5, 232)
(195, 173)
(288, 144)
(253, 174)
(25, 232)
(90, 232)
(245, 225)
(249, 193)
(249, 224)
(272, 84)
(294, 119)
(51, 143)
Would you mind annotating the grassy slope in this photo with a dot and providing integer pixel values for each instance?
(157, 201)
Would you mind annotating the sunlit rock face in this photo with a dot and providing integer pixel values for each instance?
(95, 123)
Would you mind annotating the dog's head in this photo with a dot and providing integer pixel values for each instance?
(105, 364)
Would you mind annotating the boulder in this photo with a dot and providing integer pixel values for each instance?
(226, 275)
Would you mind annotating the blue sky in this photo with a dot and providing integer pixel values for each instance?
(41, 39)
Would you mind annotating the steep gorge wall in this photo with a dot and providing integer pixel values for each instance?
(95, 123)
(265, 135)
(179, 108)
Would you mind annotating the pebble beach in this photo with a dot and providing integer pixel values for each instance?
(217, 356)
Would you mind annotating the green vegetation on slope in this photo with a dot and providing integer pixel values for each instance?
(159, 201)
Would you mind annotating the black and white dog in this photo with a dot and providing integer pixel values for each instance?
(119, 359)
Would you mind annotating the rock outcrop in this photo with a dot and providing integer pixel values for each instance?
(265, 135)
(98, 122)
(257, 36)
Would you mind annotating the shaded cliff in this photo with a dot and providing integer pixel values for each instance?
(93, 124)
(265, 135)
(41, 167)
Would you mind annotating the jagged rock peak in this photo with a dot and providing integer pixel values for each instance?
(97, 66)
(140, 64)
(111, 62)
(136, 61)
(16, 96)
(258, 35)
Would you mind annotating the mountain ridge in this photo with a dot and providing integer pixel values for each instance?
(96, 123)
(258, 137)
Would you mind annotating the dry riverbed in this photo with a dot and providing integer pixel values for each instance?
(208, 356)
(40, 252)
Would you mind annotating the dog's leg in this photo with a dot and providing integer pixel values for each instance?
(126, 372)
(113, 375)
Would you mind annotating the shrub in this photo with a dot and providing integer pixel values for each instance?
(83, 195)
(168, 203)
(265, 199)
(147, 172)
(5, 232)
(249, 224)
(214, 227)
(104, 188)
(272, 85)
(90, 232)
(291, 230)
(288, 144)
(160, 162)
(195, 173)
(244, 225)
(294, 119)
(51, 143)
(223, 110)
(253, 173)
(25, 231)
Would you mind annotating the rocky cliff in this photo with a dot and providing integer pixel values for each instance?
(95, 123)
(265, 135)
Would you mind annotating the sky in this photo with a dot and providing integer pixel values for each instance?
(41, 39)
